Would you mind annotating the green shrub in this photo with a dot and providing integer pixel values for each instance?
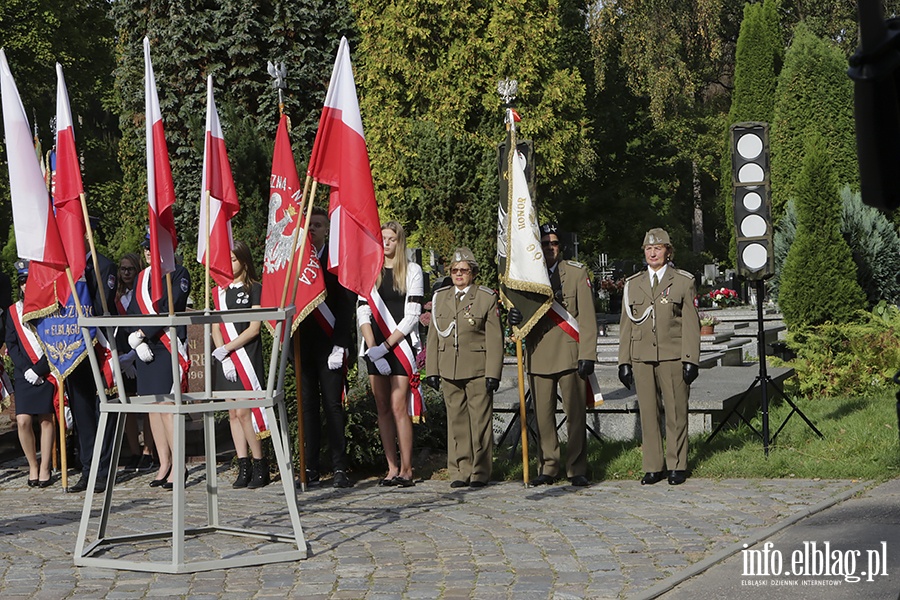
(848, 358)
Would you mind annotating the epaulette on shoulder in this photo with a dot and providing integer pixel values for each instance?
(441, 289)
(685, 273)
(636, 275)
(576, 264)
(487, 289)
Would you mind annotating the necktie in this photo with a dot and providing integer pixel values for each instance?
(653, 283)
(459, 296)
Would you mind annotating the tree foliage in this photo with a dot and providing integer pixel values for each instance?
(814, 97)
(818, 283)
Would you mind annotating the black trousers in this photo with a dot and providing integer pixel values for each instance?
(322, 389)
(85, 406)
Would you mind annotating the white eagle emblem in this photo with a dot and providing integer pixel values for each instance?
(278, 245)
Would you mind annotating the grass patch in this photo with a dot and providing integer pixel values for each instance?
(861, 442)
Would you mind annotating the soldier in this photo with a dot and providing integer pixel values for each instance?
(464, 356)
(561, 351)
(659, 350)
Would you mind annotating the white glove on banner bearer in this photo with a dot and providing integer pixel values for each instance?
(336, 358)
(135, 339)
(144, 352)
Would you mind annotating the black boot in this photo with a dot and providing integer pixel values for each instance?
(243, 477)
(260, 474)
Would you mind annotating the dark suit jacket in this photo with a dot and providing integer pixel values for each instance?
(108, 279)
(341, 303)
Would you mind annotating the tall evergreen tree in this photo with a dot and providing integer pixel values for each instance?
(818, 283)
(814, 97)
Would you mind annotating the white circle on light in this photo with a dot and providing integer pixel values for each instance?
(754, 256)
(750, 145)
(752, 201)
(753, 226)
(750, 172)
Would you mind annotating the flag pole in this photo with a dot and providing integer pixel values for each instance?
(295, 234)
(206, 265)
(94, 259)
(522, 414)
(63, 458)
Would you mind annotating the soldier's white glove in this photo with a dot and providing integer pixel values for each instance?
(336, 358)
(383, 366)
(229, 370)
(33, 378)
(377, 352)
(135, 339)
(144, 352)
(220, 353)
(126, 362)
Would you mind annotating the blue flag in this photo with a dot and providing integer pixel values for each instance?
(61, 336)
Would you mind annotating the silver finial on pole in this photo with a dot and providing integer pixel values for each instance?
(507, 88)
(278, 74)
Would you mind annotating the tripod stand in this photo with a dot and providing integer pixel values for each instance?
(765, 381)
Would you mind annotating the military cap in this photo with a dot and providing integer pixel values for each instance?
(21, 266)
(463, 254)
(657, 235)
(548, 228)
(145, 243)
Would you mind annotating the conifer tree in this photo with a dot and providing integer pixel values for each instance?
(818, 283)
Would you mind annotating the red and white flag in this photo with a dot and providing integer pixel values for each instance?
(160, 188)
(218, 186)
(37, 235)
(285, 213)
(68, 185)
(340, 159)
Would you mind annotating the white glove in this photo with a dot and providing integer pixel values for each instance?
(126, 362)
(377, 352)
(33, 378)
(144, 352)
(220, 353)
(383, 366)
(336, 358)
(229, 369)
(135, 339)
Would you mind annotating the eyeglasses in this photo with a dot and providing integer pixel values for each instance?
(460, 271)
(126, 269)
(554, 243)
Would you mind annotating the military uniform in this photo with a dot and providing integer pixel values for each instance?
(465, 345)
(552, 357)
(658, 333)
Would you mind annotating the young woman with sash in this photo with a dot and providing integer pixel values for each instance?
(389, 323)
(34, 386)
(239, 366)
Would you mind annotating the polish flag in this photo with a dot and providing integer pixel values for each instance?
(340, 159)
(68, 186)
(285, 214)
(160, 188)
(218, 184)
(37, 235)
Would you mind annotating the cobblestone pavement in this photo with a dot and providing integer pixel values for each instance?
(615, 539)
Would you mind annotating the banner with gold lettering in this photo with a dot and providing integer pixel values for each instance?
(60, 335)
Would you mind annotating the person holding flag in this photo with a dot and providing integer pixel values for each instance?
(326, 338)
(34, 386)
(561, 352)
(239, 366)
(389, 323)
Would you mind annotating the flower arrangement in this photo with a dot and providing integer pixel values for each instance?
(724, 297)
(612, 286)
(708, 320)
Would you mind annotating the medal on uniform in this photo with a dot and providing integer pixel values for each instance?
(665, 296)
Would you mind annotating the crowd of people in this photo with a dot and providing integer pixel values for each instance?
(659, 352)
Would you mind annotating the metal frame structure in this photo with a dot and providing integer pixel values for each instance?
(181, 405)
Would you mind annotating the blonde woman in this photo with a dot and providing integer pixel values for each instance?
(389, 323)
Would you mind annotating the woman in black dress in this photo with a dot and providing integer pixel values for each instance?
(400, 287)
(239, 366)
(34, 393)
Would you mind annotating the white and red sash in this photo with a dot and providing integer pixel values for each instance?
(326, 320)
(145, 304)
(242, 363)
(567, 323)
(404, 353)
(29, 340)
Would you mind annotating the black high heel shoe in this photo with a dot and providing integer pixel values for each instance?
(33, 482)
(161, 482)
(168, 485)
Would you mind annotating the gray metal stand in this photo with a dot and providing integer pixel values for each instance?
(180, 405)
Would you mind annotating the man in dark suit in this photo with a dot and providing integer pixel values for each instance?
(326, 336)
(561, 350)
(80, 385)
(659, 350)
